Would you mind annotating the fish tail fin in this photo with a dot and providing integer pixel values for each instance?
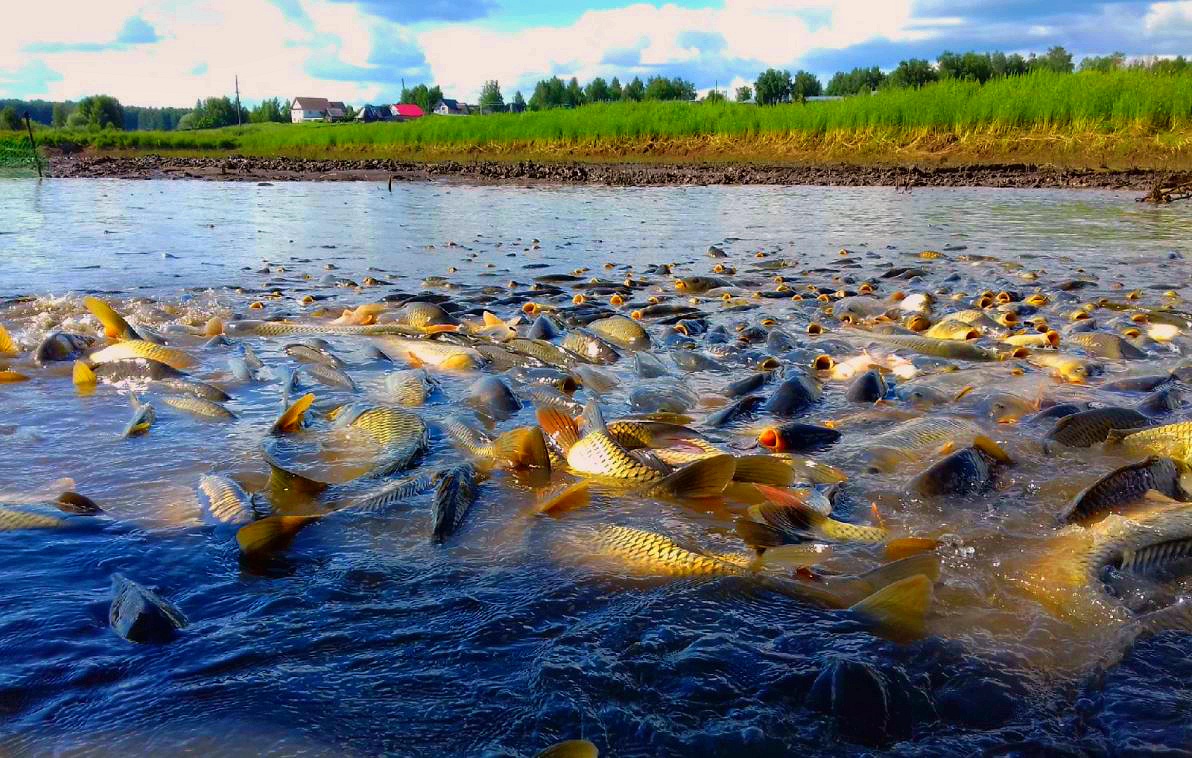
(270, 533)
(83, 374)
(927, 564)
(291, 418)
(992, 449)
(491, 319)
(898, 611)
(462, 435)
(907, 546)
(1115, 436)
(114, 325)
(706, 477)
(791, 518)
(593, 418)
(759, 536)
(414, 361)
(7, 346)
(558, 426)
(572, 496)
(524, 447)
(441, 328)
(764, 469)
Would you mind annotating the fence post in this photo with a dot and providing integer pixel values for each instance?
(33, 145)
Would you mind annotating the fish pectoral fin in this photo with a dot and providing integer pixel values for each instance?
(898, 611)
(572, 496)
(764, 469)
(290, 419)
(440, 328)
(927, 564)
(492, 320)
(706, 477)
(992, 449)
(414, 360)
(82, 374)
(524, 447)
(907, 546)
(270, 534)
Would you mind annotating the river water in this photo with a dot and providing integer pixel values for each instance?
(366, 638)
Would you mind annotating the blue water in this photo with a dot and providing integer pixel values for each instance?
(365, 638)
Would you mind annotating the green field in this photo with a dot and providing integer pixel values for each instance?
(1128, 115)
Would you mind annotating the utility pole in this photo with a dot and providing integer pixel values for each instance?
(238, 100)
(33, 145)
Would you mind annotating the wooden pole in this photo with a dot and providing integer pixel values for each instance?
(33, 145)
(238, 101)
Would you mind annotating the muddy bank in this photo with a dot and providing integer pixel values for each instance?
(612, 174)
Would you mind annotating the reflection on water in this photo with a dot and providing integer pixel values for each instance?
(366, 638)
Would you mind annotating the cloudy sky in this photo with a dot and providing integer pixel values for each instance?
(170, 52)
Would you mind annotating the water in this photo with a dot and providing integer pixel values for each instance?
(365, 638)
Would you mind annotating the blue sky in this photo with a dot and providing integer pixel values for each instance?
(170, 52)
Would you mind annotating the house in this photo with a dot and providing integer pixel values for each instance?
(308, 109)
(447, 107)
(336, 110)
(406, 111)
(371, 113)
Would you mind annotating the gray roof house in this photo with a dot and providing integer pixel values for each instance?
(447, 107)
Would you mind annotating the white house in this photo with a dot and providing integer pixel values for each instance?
(446, 107)
(309, 109)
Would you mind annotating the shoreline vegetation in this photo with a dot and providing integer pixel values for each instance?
(1118, 121)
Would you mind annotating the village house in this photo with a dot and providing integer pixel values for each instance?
(308, 109)
(446, 107)
(406, 111)
(336, 110)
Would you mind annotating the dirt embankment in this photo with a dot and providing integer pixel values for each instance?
(610, 174)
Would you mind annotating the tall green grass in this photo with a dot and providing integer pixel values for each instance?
(1119, 100)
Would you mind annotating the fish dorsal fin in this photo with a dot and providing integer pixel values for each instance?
(569, 497)
(7, 346)
(492, 320)
(759, 536)
(992, 449)
(83, 374)
(270, 533)
(764, 469)
(706, 477)
(557, 425)
(523, 447)
(898, 611)
(593, 418)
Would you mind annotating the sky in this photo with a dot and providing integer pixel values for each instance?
(172, 52)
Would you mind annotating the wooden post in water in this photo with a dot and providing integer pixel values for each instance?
(33, 145)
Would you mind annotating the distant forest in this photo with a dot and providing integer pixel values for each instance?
(135, 117)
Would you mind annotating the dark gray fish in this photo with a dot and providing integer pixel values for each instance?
(135, 368)
(795, 395)
(490, 396)
(544, 328)
(740, 407)
(62, 346)
(692, 361)
(648, 366)
(454, 495)
(140, 615)
(1087, 428)
(965, 472)
(1125, 485)
(1137, 383)
(793, 437)
(1161, 401)
(867, 388)
(747, 385)
(589, 346)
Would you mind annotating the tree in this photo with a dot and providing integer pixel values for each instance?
(215, 112)
(548, 93)
(575, 95)
(519, 102)
(491, 99)
(97, 112)
(597, 91)
(424, 97)
(805, 85)
(60, 114)
(614, 89)
(914, 72)
(1103, 63)
(714, 96)
(10, 119)
(635, 90)
(855, 82)
(350, 113)
(1056, 59)
(773, 86)
(270, 110)
(744, 94)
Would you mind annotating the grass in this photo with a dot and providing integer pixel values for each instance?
(1130, 117)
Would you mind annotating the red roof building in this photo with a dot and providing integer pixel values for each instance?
(406, 111)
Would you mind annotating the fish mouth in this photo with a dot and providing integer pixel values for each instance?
(768, 438)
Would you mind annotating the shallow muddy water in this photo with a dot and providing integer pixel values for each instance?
(366, 638)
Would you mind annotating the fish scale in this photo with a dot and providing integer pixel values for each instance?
(1170, 440)
(175, 359)
(223, 501)
(651, 553)
(599, 455)
(403, 436)
(16, 518)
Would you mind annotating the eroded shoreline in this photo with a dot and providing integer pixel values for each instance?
(238, 168)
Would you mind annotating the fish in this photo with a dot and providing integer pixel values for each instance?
(411, 387)
(547, 353)
(595, 380)
(271, 534)
(523, 447)
(313, 355)
(197, 406)
(114, 325)
(621, 331)
(441, 355)
(143, 417)
(952, 349)
(135, 369)
(908, 441)
(793, 517)
(426, 317)
(492, 397)
(14, 518)
(1105, 345)
(698, 285)
(180, 386)
(1087, 428)
(248, 327)
(569, 749)
(793, 437)
(1067, 367)
(8, 376)
(330, 376)
(952, 329)
(746, 386)
(1170, 440)
(402, 435)
(61, 346)
(795, 395)
(7, 345)
(868, 387)
(454, 495)
(565, 498)
(223, 501)
(971, 470)
(134, 348)
(1127, 484)
(140, 615)
(590, 347)
(387, 495)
